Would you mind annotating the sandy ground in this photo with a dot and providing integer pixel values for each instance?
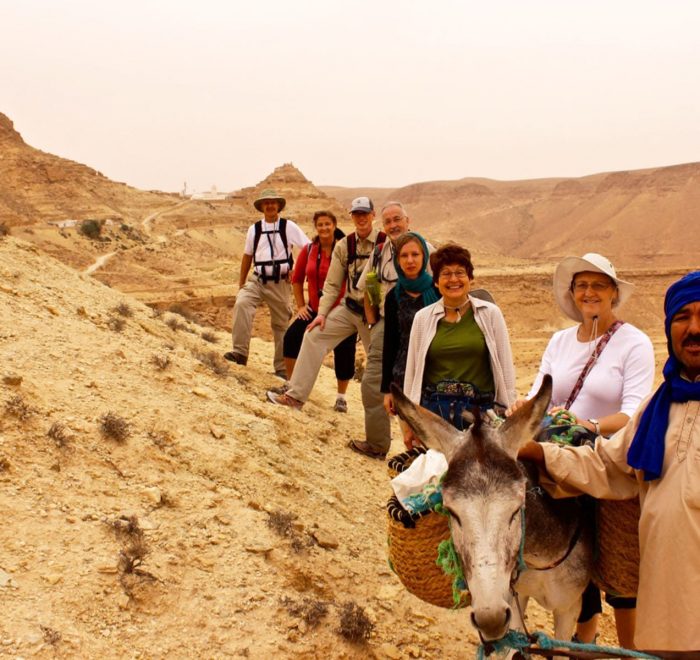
(206, 465)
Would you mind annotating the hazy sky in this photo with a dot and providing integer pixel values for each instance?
(380, 93)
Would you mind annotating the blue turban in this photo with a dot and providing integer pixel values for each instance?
(647, 449)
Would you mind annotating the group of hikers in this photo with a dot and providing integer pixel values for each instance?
(425, 329)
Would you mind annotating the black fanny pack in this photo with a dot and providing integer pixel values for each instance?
(354, 306)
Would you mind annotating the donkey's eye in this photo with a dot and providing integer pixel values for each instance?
(515, 513)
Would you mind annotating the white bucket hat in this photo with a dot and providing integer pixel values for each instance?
(597, 263)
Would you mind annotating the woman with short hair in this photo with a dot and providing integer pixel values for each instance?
(459, 352)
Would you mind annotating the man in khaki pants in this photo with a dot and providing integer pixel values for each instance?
(332, 325)
(268, 248)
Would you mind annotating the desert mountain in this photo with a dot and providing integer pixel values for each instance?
(39, 187)
(638, 218)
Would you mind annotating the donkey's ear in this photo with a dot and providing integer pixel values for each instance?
(524, 424)
(433, 431)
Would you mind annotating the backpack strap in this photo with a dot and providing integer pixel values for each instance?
(275, 263)
(353, 256)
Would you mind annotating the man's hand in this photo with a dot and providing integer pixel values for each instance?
(320, 321)
(410, 439)
(532, 451)
(389, 404)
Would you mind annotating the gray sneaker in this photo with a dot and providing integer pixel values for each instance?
(341, 406)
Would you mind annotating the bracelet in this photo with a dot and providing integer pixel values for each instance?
(596, 425)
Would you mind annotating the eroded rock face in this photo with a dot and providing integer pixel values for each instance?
(7, 131)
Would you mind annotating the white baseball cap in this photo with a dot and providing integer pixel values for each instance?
(361, 205)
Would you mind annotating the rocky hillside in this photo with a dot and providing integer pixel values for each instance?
(637, 218)
(36, 187)
(160, 507)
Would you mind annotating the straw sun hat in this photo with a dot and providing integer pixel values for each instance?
(266, 194)
(591, 262)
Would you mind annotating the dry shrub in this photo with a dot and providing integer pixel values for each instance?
(214, 361)
(58, 434)
(161, 362)
(355, 625)
(311, 611)
(116, 324)
(114, 427)
(91, 229)
(51, 636)
(175, 324)
(281, 522)
(133, 553)
(210, 337)
(17, 407)
(123, 309)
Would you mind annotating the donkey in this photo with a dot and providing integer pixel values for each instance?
(491, 499)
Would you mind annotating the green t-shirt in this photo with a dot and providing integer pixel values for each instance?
(458, 352)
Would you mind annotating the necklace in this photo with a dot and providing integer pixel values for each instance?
(456, 309)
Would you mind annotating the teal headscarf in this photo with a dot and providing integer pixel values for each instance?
(423, 283)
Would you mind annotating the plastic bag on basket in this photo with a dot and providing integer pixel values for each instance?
(420, 480)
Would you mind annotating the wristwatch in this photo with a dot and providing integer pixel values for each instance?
(596, 425)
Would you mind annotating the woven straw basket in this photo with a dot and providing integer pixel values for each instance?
(616, 569)
(413, 550)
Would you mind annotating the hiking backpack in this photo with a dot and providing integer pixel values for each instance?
(275, 263)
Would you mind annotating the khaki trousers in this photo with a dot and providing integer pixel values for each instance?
(341, 323)
(249, 298)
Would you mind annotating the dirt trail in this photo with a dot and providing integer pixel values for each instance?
(99, 262)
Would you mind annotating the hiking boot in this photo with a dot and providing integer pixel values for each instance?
(238, 358)
(364, 448)
(282, 389)
(341, 406)
(284, 400)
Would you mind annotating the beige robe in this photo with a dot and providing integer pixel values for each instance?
(668, 602)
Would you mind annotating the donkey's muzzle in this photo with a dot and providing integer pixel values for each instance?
(492, 623)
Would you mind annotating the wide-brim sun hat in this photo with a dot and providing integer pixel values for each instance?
(268, 194)
(591, 262)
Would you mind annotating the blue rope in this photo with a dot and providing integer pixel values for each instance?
(519, 641)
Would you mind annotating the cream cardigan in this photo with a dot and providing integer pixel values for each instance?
(491, 323)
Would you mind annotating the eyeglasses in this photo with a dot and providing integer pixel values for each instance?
(580, 287)
(460, 274)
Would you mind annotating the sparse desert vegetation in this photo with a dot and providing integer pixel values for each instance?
(17, 407)
(114, 427)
